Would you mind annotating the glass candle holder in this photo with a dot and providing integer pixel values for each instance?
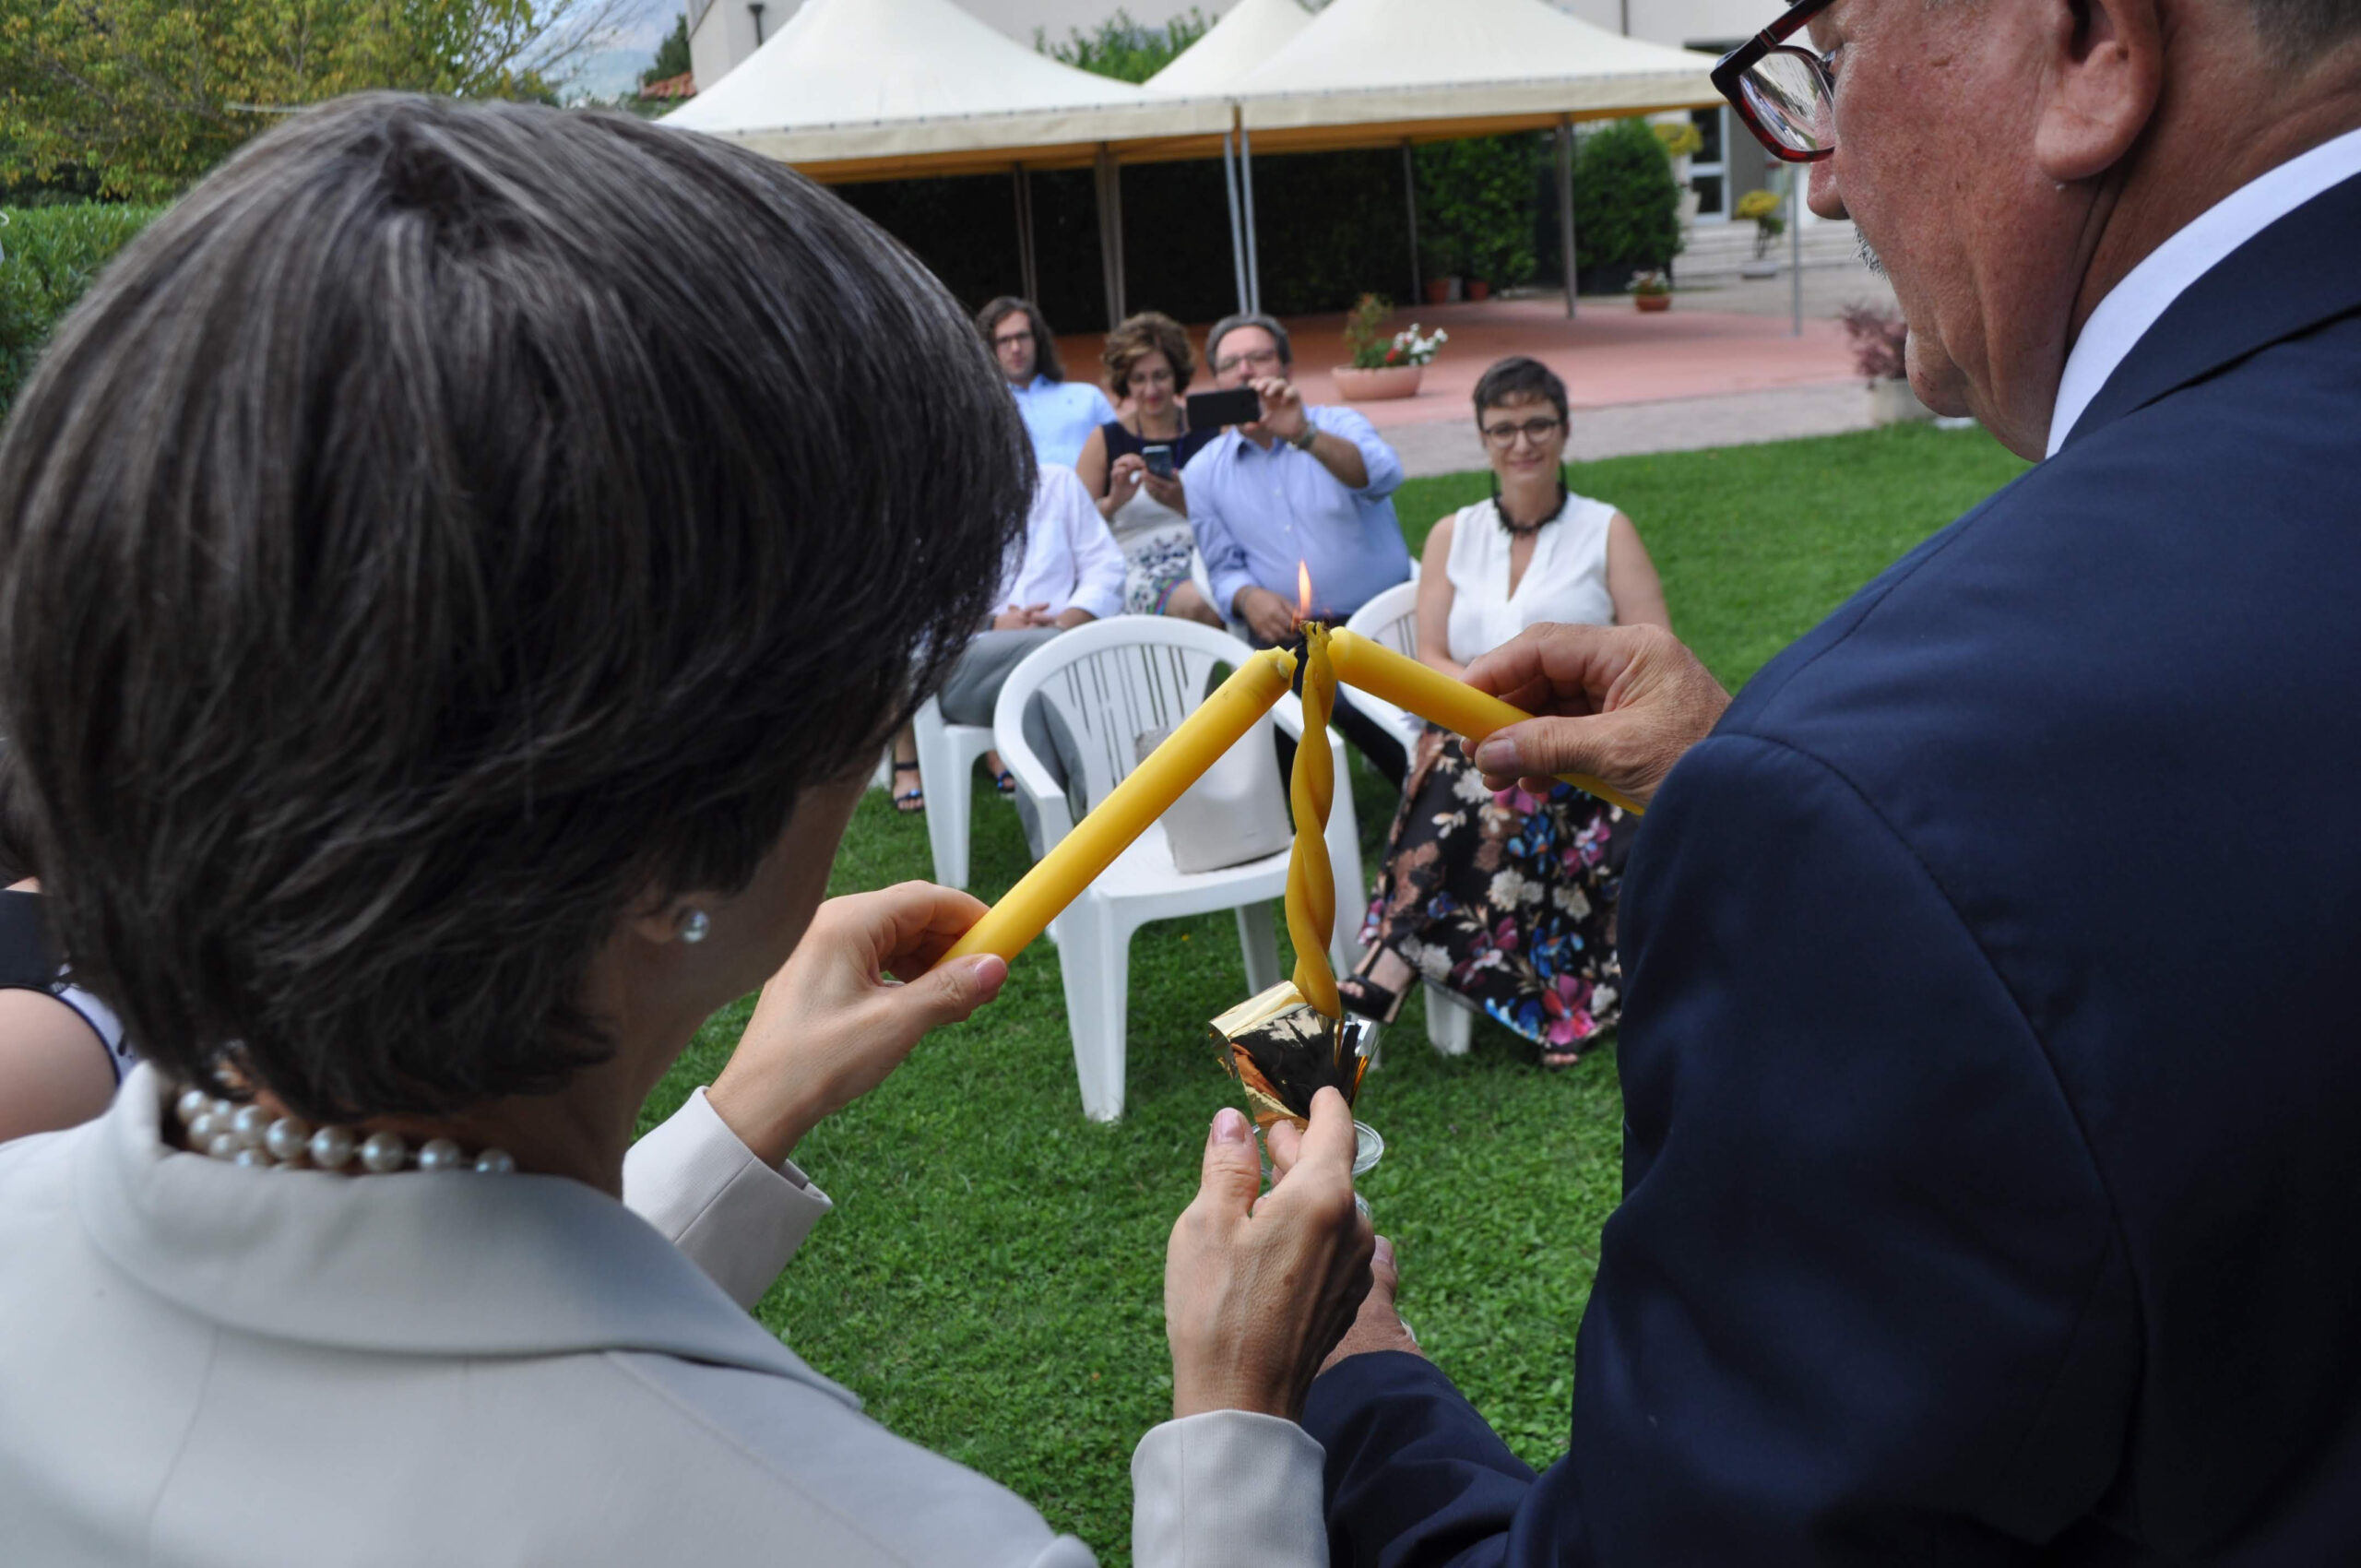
(1368, 1148)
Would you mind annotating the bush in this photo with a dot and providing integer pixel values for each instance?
(1475, 201)
(1626, 205)
(48, 257)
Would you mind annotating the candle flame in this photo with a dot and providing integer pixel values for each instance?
(1302, 591)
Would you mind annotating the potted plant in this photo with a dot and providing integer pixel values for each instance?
(1382, 366)
(1760, 207)
(1880, 338)
(1652, 291)
(1441, 259)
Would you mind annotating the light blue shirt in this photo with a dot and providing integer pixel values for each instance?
(1061, 415)
(1257, 514)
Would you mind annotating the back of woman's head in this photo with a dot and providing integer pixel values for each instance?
(447, 529)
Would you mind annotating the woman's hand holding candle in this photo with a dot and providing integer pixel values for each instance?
(1463, 709)
(1312, 882)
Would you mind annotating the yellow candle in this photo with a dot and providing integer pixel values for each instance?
(1312, 882)
(1147, 793)
(1438, 699)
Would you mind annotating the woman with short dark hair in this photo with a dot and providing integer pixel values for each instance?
(1508, 898)
(1132, 467)
(451, 590)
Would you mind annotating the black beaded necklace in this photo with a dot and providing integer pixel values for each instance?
(1526, 530)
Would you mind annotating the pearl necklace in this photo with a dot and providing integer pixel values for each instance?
(247, 1134)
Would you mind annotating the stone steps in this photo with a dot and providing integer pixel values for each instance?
(1716, 250)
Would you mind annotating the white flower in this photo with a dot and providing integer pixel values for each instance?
(1511, 887)
(1470, 786)
(1431, 962)
(1571, 900)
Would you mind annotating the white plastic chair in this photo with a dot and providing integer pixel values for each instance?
(1108, 683)
(1392, 618)
(947, 754)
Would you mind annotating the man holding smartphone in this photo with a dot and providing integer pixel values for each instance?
(1297, 488)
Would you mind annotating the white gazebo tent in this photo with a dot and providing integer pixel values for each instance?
(1250, 33)
(883, 90)
(1373, 73)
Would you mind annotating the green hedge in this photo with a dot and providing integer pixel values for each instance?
(1626, 205)
(48, 257)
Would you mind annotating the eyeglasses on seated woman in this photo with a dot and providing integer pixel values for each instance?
(451, 592)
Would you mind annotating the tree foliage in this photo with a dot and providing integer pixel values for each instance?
(147, 95)
(1124, 49)
(671, 55)
(1626, 205)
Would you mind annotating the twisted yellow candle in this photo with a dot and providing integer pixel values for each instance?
(1312, 882)
(1437, 698)
(1146, 794)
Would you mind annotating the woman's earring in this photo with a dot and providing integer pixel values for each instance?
(694, 924)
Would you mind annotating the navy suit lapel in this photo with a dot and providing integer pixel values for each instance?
(2295, 275)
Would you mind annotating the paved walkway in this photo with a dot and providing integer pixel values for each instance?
(1721, 368)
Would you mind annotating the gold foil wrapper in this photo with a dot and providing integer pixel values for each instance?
(1283, 1050)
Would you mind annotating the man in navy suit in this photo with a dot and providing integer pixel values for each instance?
(1991, 1063)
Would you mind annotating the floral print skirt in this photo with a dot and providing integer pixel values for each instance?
(1506, 898)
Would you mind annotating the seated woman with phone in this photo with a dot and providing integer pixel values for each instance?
(1132, 467)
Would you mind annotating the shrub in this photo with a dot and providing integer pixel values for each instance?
(1626, 205)
(1879, 340)
(48, 257)
(1475, 202)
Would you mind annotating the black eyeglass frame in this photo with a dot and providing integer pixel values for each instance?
(1732, 67)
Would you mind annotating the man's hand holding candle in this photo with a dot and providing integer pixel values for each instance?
(1258, 1291)
(1620, 704)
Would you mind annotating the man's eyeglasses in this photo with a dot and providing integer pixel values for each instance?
(1009, 340)
(1786, 96)
(1537, 431)
(1256, 359)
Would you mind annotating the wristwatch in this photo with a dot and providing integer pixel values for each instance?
(1303, 442)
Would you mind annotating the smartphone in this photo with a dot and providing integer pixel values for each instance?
(1211, 410)
(1159, 460)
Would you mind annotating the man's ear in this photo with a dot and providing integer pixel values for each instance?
(2105, 70)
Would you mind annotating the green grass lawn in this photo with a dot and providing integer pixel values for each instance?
(992, 1284)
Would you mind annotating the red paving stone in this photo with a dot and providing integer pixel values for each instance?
(1609, 354)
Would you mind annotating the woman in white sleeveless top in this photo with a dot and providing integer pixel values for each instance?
(1509, 899)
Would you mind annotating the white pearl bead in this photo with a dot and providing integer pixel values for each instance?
(385, 1153)
(248, 1124)
(285, 1138)
(442, 1153)
(206, 1128)
(252, 1156)
(331, 1147)
(224, 1146)
(192, 1104)
(496, 1162)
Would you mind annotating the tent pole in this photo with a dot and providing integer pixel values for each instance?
(1566, 205)
(1110, 233)
(1410, 193)
(1237, 233)
(1795, 245)
(1246, 178)
(1027, 273)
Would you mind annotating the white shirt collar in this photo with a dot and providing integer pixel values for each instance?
(2148, 290)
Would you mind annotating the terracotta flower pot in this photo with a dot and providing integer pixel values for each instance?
(1438, 290)
(1375, 385)
(1479, 289)
(1651, 303)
